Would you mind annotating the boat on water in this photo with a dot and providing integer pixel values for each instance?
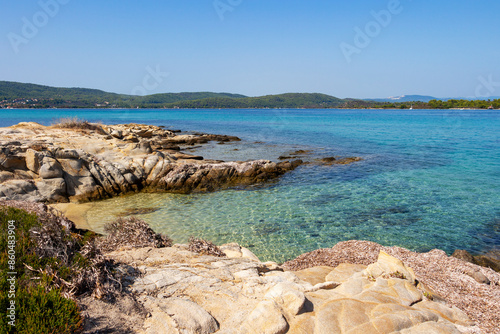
(490, 107)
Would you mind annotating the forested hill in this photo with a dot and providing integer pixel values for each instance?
(16, 94)
(38, 96)
(23, 95)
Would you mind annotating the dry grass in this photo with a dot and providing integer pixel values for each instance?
(204, 247)
(78, 124)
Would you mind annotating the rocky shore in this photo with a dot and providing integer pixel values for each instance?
(179, 291)
(81, 162)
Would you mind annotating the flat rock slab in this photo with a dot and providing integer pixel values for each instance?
(185, 292)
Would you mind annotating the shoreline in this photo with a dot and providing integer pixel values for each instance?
(81, 162)
(219, 289)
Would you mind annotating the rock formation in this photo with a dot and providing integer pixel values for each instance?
(185, 292)
(54, 164)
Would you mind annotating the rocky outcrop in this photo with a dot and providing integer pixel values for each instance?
(446, 279)
(185, 292)
(490, 259)
(53, 164)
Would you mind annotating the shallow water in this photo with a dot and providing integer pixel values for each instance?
(428, 179)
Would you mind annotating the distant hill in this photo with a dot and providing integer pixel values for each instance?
(25, 95)
(17, 94)
(84, 97)
(405, 98)
(426, 98)
(289, 100)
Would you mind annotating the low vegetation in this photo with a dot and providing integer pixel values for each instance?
(55, 264)
(78, 124)
(131, 232)
(204, 247)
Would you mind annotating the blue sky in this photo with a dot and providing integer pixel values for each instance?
(255, 47)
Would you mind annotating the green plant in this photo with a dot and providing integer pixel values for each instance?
(39, 306)
(46, 312)
(395, 274)
(428, 295)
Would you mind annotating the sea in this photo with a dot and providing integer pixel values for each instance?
(427, 179)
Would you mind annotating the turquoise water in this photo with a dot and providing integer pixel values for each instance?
(428, 179)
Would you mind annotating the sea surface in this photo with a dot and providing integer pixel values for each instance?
(428, 178)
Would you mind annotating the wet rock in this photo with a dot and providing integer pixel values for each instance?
(463, 255)
(489, 260)
(328, 161)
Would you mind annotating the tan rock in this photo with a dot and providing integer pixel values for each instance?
(288, 298)
(266, 318)
(344, 271)
(176, 315)
(390, 266)
(452, 314)
(33, 160)
(314, 275)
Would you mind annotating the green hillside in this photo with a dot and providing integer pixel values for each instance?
(39, 96)
(15, 94)
(23, 95)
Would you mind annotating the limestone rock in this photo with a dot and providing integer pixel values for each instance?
(288, 298)
(180, 288)
(50, 169)
(233, 250)
(343, 272)
(176, 315)
(53, 190)
(391, 267)
(314, 275)
(266, 318)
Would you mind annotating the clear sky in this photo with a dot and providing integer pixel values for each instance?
(359, 49)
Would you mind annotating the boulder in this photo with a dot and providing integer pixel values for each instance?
(20, 190)
(389, 266)
(33, 160)
(177, 315)
(50, 168)
(266, 318)
(53, 190)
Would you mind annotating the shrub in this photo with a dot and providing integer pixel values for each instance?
(40, 307)
(132, 232)
(47, 312)
(80, 124)
(204, 247)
